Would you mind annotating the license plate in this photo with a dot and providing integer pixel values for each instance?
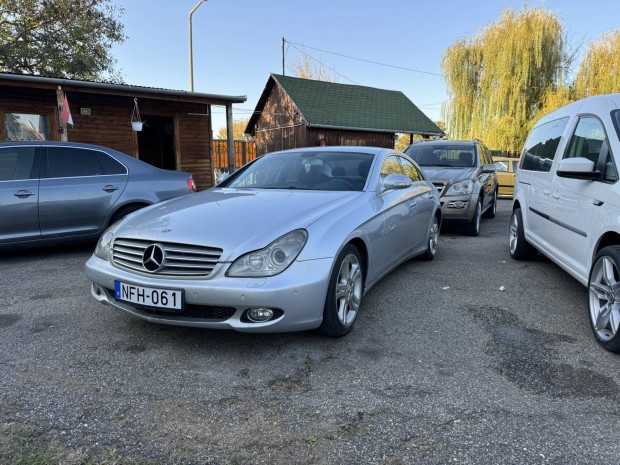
(149, 296)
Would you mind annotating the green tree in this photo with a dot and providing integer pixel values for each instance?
(599, 71)
(239, 126)
(60, 38)
(497, 80)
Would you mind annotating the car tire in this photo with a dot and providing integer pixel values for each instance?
(433, 239)
(492, 210)
(604, 298)
(344, 295)
(124, 211)
(473, 228)
(519, 248)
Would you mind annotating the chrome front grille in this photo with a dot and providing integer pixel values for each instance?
(178, 259)
(439, 186)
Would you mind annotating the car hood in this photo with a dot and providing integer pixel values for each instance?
(235, 220)
(447, 175)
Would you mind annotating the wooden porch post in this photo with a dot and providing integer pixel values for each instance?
(231, 139)
(62, 127)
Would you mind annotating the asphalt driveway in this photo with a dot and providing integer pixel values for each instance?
(473, 358)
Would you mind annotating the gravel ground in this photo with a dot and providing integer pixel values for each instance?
(442, 367)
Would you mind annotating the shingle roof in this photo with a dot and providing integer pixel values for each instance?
(333, 105)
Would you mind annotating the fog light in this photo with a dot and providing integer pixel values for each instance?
(457, 204)
(97, 290)
(258, 315)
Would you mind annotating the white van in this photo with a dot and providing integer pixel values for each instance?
(566, 203)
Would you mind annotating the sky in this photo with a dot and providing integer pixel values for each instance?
(238, 43)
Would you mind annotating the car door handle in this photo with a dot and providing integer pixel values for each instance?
(413, 204)
(546, 192)
(110, 188)
(555, 195)
(22, 194)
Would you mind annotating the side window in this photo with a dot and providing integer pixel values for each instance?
(515, 165)
(110, 165)
(390, 166)
(501, 166)
(410, 170)
(541, 145)
(68, 162)
(587, 141)
(16, 163)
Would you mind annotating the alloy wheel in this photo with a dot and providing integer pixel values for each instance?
(349, 289)
(604, 294)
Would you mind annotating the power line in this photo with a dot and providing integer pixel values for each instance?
(367, 61)
(319, 62)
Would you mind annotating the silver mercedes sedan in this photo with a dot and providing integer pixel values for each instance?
(292, 241)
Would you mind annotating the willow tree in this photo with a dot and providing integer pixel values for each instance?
(599, 72)
(497, 79)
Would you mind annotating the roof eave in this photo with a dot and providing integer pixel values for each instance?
(391, 131)
(121, 88)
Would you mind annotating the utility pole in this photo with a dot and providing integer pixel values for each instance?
(283, 72)
(191, 53)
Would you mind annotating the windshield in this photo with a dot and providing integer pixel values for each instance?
(319, 170)
(456, 156)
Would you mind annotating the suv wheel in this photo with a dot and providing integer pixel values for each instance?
(520, 249)
(473, 228)
(492, 210)
(604, 298)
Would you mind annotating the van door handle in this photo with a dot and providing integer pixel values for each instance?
(555, 195)
(110, 188)
(22, 194)
(546, 192)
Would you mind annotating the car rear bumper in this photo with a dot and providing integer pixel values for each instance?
(299, 292)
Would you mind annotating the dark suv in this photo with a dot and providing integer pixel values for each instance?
(464, 175)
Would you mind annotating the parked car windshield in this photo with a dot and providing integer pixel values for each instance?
(317, 170)
(456, 156)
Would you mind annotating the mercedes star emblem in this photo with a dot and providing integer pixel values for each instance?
(153, 258)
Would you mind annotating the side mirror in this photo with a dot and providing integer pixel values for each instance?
(489, 168)
(578, 168)
(395, 182)
(221, 177)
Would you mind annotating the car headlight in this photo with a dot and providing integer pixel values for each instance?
(273, 259)
(461, 188)
(104, 246)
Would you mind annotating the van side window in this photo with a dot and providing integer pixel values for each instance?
(587, 141)
(541, 145)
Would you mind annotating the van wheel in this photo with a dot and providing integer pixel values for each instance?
(492, 210)
(604, 298)
(520, 249)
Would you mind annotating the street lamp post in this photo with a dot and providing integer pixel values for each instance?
(191, 53)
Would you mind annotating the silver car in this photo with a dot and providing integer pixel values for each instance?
(53, 192)
(290, 242)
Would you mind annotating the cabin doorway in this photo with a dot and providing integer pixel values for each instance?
(156, 142)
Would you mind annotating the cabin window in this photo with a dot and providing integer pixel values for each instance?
(22, 126)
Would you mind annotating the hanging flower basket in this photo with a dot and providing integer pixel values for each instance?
(136, 121)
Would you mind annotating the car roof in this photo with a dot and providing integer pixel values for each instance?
(52, 143)
(442, 142)
(335, 148)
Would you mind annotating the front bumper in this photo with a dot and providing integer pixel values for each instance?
(299, 292)
(458, 207)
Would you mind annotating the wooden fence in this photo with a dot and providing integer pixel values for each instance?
(245, 151)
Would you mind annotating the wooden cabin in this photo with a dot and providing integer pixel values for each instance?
(294, 112)
(177, 132)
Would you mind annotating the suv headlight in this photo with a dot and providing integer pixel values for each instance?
(461, 188)
(273, 259)
(104, 246)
